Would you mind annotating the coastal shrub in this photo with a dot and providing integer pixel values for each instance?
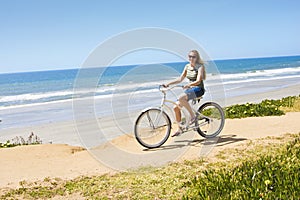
(6, 144)
(265, 108)
(19, 140)
(269, 177)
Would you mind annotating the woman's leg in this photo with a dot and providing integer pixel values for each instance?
(184, 102)
(177, 111)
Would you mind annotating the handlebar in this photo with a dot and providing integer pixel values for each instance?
(162, 88)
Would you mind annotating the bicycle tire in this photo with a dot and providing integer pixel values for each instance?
(150, 136)
(211, 120)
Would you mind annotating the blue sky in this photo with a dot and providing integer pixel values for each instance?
(59, 34)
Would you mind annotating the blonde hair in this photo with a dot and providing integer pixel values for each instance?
(199, 61)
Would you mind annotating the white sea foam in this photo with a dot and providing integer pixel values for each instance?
(254, 79)
(266, 73)
(47, 95)
(109, 90)
(34, 104)
(34, 96)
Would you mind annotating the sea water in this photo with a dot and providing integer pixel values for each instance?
(30, 98)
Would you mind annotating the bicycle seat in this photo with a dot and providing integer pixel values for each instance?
(197, 99)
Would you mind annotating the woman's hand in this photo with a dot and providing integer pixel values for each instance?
(186, 86)
(165, 85)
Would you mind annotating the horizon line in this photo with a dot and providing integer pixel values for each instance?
(126, 65)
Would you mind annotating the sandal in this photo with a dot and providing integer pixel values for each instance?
(193, 120)
(176, 133)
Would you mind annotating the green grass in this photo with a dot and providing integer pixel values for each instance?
(265, 108)
(271, 176)
(266, 169)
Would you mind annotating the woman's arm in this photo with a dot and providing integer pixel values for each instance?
(178, 80)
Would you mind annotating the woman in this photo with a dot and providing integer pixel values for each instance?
(195, 72)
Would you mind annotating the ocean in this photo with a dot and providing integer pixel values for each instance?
(22, 93)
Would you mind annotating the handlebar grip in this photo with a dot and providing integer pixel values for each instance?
(162, 85)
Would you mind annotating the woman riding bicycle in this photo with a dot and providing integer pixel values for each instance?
(195, 72)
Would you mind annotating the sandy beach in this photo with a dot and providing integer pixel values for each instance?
(66, 157)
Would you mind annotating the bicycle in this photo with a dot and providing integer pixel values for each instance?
(153, 126)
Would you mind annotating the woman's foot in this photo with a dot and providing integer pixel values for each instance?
(178, 132)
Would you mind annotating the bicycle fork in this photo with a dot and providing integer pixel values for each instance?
(155, 123)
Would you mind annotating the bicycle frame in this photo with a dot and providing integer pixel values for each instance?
(162, 106)
(165, 100)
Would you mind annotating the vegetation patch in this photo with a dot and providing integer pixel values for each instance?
(18, 141)
(265, 108)
(271, 176)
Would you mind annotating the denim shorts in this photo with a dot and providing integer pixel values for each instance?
(194, 92)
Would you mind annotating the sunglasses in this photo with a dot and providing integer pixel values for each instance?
(192, 56)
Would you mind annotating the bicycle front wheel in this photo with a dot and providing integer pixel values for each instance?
(211, 120)
(152, 128)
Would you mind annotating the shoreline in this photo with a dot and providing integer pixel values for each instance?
(292, 90)
(66, 131)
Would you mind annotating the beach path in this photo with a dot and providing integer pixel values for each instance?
(37, 162)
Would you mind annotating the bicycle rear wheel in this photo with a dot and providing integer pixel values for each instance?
(152, 128)
(211, 120)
